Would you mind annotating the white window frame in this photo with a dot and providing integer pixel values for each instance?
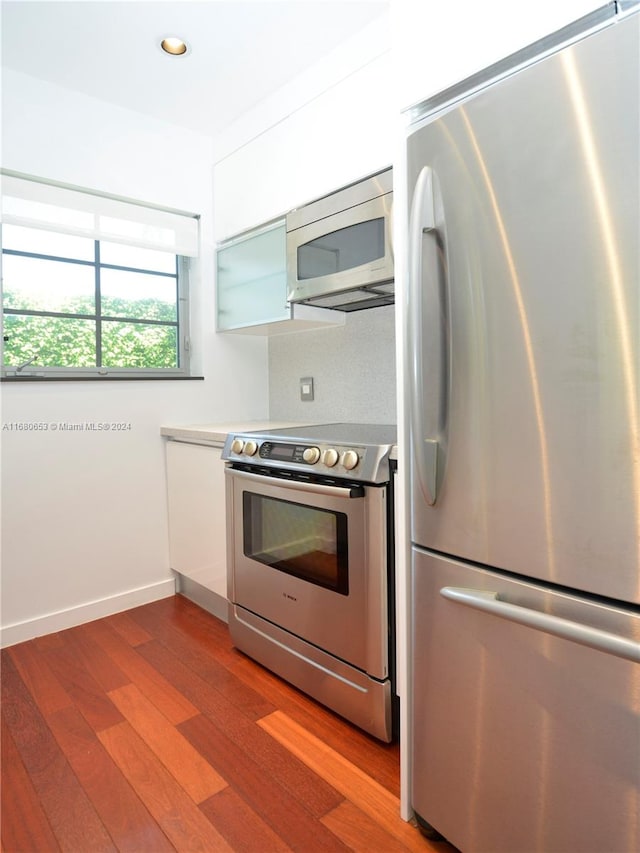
(57, 208)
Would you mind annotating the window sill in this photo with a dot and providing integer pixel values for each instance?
(97, 378)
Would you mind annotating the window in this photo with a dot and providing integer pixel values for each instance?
(78, 304)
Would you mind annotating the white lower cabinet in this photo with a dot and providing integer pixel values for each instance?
(196, 491)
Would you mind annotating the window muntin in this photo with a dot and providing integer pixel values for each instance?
(116, 309)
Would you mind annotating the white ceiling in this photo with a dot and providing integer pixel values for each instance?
(241, 50)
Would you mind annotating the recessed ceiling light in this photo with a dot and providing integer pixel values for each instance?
(174, 46)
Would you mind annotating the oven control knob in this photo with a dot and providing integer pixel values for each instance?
(330, 457)
(311, 455)
(236, 445)
(250, 448)
(349, 459)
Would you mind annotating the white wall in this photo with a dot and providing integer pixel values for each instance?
(84, 514)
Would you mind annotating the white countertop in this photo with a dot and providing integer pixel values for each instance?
(217, 433)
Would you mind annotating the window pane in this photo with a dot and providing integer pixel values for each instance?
(36, 285)
(137, 345)
(142, 259)
(142, 296)
(47, 243)
(49, 341)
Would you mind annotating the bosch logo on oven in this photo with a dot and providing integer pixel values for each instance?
(289, 597)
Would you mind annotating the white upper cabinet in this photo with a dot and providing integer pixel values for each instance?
(251, 286)
(438, 44)
(342, 119)
(335, 130)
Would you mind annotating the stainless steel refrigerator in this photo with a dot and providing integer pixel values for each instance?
(524, 370)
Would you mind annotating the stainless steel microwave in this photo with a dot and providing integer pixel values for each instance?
(339, 247)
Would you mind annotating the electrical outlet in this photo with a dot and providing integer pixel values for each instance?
(306, 389)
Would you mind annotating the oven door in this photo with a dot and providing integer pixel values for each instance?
(311, 559)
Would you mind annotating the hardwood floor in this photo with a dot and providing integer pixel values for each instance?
(148, 731)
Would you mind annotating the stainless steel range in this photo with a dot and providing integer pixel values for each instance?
(310, 565)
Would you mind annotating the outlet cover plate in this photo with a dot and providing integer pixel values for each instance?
(306, 389)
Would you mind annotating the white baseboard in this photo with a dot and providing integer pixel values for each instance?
(18, 632)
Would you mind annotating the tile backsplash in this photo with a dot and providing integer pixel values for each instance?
(352, 366)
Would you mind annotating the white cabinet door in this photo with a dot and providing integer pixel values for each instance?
(345, 133)
(195, 482)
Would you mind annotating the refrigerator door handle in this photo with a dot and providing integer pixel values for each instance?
(423, 221)
(575, 632)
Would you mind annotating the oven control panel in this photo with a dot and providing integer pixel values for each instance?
(322, 458)
(355, 452)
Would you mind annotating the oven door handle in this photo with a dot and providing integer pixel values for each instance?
(350, 491)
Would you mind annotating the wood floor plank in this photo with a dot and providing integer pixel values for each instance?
(369, 796)
(128, 821)
(276, 762)
(101, 666)
(128, 628)
(73, 781)
(174, 620)
(382, 761)
(48, 641)
(359, 832)
(195, 646)
(86, 693)
(164, 696)
(23, 823)
(179, 612)
(186, 765)
(245, 831)
(180, 818)
(379, 760)
(275, 805)
(71, 815)
(43, 685)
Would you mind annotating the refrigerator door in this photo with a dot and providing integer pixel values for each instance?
(525, 268)
(523, 740)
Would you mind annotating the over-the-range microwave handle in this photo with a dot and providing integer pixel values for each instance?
(425, 448)
(566, 629)
(299, 486)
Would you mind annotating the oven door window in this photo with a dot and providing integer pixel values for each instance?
(299, 540)
(342, 250)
